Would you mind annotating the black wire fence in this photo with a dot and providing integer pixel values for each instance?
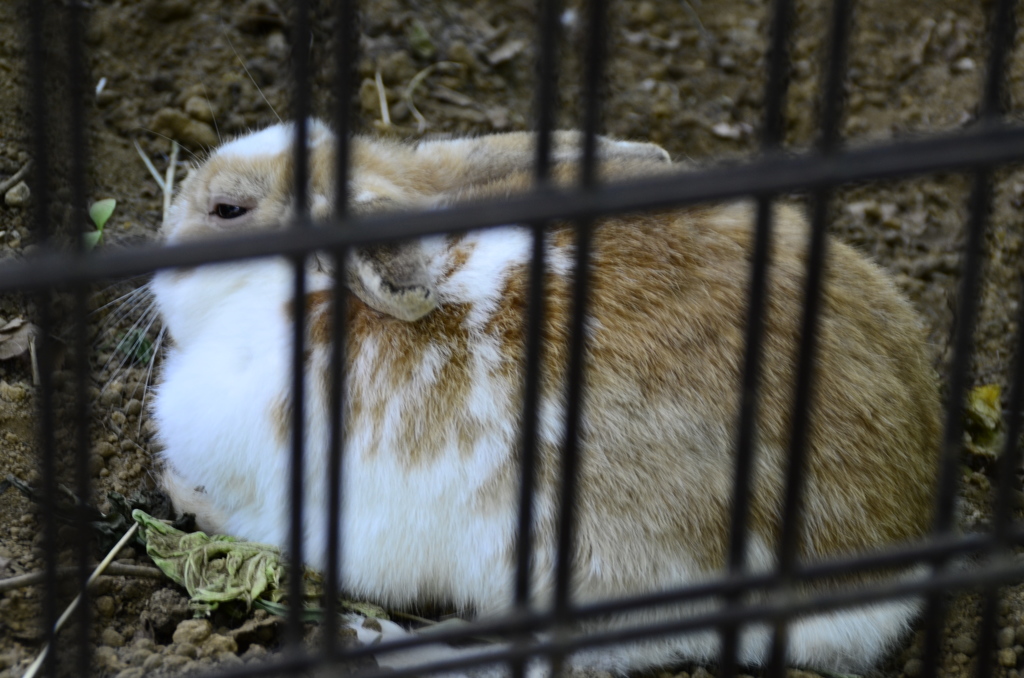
(58, 271)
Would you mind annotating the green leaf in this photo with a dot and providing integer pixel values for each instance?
(92, 238)
(215, 569)
(100, 212)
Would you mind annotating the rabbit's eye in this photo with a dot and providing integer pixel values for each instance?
(225, 211)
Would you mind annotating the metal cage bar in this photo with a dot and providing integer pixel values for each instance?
(993, 145)
(74, 30)
(296, 529)
(772, 137)
(1000, 27)
(346, 55)
(980, 151)
(41, 217)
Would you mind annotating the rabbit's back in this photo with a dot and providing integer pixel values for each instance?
(664, 353)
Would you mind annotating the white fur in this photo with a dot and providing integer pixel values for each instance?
(273, 140)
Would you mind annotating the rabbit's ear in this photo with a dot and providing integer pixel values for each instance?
(392, 278)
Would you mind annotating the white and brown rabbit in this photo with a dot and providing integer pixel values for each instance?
(435, 371)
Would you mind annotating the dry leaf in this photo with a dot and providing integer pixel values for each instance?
(16, 338)
(984, 421)
(983, 407)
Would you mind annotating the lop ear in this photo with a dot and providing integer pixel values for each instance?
(392, 278)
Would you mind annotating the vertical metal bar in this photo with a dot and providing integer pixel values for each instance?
(345, 59)
(38, 69)
(535, 306)
(577, 333)
(1002, 509)
(531, 407)
(575, 376)
(547, 83)
(1001, 31)
(792, 512)
(592, 95)
(949, 471)
(73, 32)
(300, 109)
(774, 96)
(544, 104)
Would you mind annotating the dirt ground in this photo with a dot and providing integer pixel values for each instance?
(687, 74)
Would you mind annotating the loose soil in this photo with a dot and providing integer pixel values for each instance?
(686, 74)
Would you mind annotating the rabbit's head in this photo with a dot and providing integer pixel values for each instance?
(248, 186)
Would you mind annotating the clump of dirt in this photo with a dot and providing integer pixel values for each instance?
(688, 75)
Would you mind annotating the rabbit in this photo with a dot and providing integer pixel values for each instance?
(435, 363)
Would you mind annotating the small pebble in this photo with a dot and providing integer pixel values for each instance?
(255, 652)
(218, 644)
(105, 606)
(646, 12)
(1006, 637)
(1007, 657)
(153, 661)
(174, 663)
(18, 195)
(133, 672)
(186, 650)
(12, 393)
(111, 638)
(965, 65)
(199, 108)
(913, 668)
(136, 656)
(106, 659)
(134, 406)
(964, 644)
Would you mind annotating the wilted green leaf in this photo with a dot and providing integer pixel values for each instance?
(220, 569)
(216, 569)
(100, 212)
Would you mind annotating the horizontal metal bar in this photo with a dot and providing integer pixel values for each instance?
(510, 626)
(761, 612)
(769, 175)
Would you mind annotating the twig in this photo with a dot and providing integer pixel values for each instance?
(385, 114)
(149, 165)
(18, 176)
(35, 361)
(421, 121)
(113, 570)
(34, 668)
(168, 184)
